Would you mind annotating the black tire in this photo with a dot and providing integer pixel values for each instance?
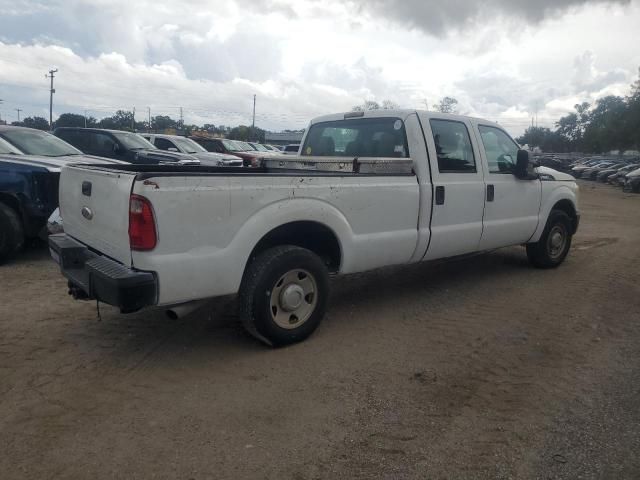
(546, 253)
(264, 275)
(11, 233)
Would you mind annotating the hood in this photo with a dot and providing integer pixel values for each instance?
(214, 156)
(158, 155)
(54, 164)
(634, 173)
(554, 175)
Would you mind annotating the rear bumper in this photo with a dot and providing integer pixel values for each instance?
(102, 278)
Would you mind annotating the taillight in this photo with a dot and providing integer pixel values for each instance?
(142, 225)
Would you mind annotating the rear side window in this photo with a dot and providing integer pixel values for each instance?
(74, 137)
(164, 144)
(453, 147)
(101, 143)
(364, 137)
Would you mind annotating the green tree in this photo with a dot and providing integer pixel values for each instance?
(447, 105)
(122, 120)
(543, 138)
(163, 122)
(39, 123)
(74, 120)
(247, 134)
(373, 105)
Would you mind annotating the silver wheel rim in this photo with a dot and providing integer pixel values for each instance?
(556, 241)
(293, 299)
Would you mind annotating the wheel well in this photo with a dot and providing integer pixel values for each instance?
(11, 202)
(313, 236)
(567, 207)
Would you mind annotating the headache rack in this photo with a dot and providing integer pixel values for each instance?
(364, 165)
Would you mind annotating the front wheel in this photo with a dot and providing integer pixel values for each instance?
(283, 295)
(555, 242)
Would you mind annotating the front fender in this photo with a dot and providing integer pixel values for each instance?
(552, 193)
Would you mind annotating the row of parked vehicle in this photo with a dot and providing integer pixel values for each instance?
(30, 163)
(619, 171)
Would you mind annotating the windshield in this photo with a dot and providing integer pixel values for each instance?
(259, 147)
(231, 146)
(245, 146)
(133, 141)
(36, 142)
(187, 145)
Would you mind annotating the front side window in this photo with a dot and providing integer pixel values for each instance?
(382, 137)
(500, 150)
(453, 147)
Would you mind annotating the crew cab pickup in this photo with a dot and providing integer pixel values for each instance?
(370, 189)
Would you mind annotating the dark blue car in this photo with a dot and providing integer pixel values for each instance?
(30, 162)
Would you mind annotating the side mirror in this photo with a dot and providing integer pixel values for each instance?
(116, 149)
(522, 170)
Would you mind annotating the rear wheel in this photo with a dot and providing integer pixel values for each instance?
(555, 242)
(283, 295)
(11, 232)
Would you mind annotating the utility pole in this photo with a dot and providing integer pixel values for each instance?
(1, 112)
(181, 119)
(51, 92)
(133, 120)
(253, 122)
(149, 124)
(85, 119)
(18, 110)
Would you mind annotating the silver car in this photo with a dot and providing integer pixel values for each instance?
(176, 143)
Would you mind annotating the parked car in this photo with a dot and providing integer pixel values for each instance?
(273, 148)
(249, 156)
(274, 234)
(603, 175)
(619, 177)
(592, 172)
(175, 143)
(291, 149)
(632, 181)
(119, 145)
(30, 162)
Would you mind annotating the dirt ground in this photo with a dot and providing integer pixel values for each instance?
(482, 368)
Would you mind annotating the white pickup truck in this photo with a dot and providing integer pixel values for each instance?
(369, 189)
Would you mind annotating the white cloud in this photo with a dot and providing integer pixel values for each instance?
(304, 58)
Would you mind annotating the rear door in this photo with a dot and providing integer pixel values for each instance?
(94, 204)
(458, 187)
(512, 205)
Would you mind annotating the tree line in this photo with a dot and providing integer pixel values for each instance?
(612, 123)
(125, 120)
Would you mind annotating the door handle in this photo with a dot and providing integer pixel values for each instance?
(440, 195)
(491, 193)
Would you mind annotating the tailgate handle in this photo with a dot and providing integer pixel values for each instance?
(86, 189)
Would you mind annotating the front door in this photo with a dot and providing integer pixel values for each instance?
(512, 205)
(458, 188)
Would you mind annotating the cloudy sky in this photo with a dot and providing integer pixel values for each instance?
(502, 59)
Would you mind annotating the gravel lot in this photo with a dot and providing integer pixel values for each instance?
(483, 368)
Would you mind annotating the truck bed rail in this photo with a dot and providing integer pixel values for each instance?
(368, 165)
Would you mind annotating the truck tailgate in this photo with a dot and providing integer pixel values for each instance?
(94, 204)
